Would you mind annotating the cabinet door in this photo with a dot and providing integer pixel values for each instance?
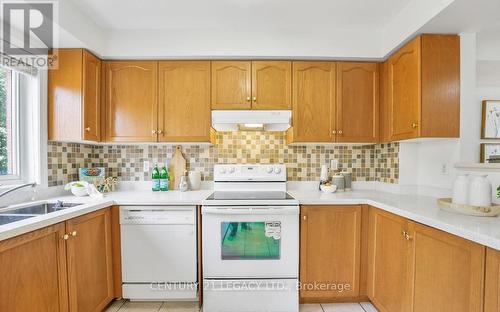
(492, 282)
(65, 96)
(313, 101)
(271, 85)
(448, 272)
(90, 265)
(131, 101)
(33, 271)
(184, 101)
(91, 97)
(330, 251)
(357, 102)
(231, 85)
(389, 280)
(405, 91)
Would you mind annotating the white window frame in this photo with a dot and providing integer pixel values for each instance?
(28, 128)
(16, 131)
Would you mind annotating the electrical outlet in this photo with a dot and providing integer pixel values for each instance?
(444, 169)
(334, 164)
(145, 167)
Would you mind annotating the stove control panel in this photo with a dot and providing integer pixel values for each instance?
(249, 172)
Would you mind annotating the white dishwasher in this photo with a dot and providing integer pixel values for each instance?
(159, 252)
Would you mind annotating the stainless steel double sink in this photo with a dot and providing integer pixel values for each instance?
(25, 212)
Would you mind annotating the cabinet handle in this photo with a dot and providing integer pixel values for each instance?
(334, 132)
(65, 237)
(154, 131)
(414, 125)
(340, 131)
(304, 218)
(74, 233)
(255, 99)
(87, 129)
(248, 98)
(160, 131)
(407, 236)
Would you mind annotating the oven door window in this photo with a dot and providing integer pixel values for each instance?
(250, 240)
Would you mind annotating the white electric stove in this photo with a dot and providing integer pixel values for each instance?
(250, 232)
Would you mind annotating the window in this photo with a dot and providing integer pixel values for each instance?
(9, 125)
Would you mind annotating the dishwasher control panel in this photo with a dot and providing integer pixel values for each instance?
(158, 215)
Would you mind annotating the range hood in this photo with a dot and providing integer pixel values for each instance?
(263, 120)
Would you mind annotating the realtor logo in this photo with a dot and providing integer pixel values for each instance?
(27, 27)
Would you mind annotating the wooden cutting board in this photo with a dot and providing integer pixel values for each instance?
(177, 168)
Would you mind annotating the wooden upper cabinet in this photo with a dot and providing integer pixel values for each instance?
(74, 92)
(389, 279)
(184, 101)
(313, 101)
(90, 266)
(448, 271)
(33, 271)
(231, 85)
(131, 101)
(492, 281)
(384, 122)
(271, 85)
(404, 91)
(357, 102)
(330, 251)
(91, 97)
(423, 93)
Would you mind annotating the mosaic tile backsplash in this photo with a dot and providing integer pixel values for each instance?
(367, 162)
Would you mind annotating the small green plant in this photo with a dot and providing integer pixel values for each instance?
(498, 191)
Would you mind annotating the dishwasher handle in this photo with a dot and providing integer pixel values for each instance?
(172, 217)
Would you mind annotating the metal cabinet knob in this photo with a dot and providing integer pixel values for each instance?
(304, 218)
(407, 236)
(160, 131)
(334, 132)
(255, 99)
(154, 131)
(65, 236)
(248, 98)
(414, 125)
(340, 131)
(74, 233)
(87, 129)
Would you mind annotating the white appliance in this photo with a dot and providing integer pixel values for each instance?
(250, 235)
(159, 252)
(267, 120)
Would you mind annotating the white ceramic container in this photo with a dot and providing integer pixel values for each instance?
(480, 191)
(194, 180)
(460, 193)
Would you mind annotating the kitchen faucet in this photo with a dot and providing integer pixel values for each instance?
(32, 184)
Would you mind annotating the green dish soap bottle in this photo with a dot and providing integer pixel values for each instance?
(164, 179)
(155, 177)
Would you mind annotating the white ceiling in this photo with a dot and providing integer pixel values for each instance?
(302, 29)
(316, 15)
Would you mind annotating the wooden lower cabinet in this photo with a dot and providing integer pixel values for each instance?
(33, 271)
(63, 267)
(492, 281)
(330, 252)
(389, 284)
(90, 267)
(448, 271)
(417, 268)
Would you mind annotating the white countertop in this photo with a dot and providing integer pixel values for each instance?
(422, 209)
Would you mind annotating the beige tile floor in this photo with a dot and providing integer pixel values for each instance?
(155, 306)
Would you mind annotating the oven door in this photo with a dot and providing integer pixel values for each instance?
(250, 241)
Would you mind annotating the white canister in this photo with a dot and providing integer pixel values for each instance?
(461, 190)
(480, 191)
(194, 178)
